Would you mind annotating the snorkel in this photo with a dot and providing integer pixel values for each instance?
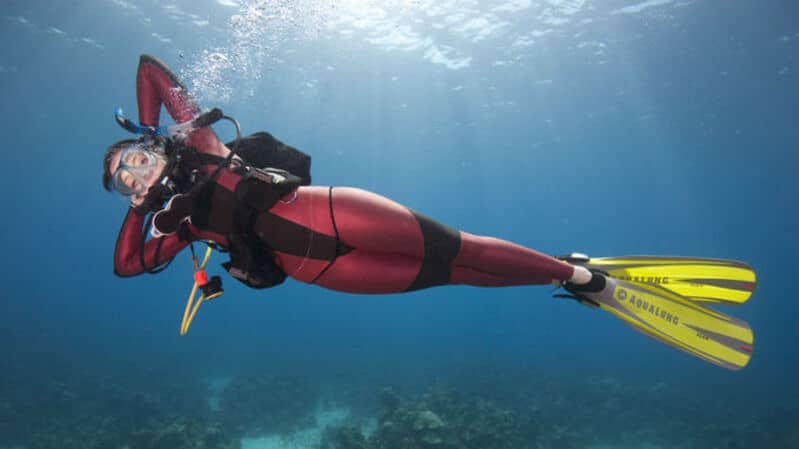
(178, 130)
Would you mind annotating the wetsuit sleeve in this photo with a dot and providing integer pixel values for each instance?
(128, 257)
(156, 85)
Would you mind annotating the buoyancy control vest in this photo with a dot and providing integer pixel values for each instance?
(270, 170)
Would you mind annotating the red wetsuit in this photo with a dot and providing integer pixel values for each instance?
(340, 238)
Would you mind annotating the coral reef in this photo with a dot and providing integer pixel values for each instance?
(347, 437)
(256, 404)
(441, 419)
(153, 409)
(183, 434)
(84, 410)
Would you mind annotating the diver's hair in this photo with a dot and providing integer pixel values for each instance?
(115, 148)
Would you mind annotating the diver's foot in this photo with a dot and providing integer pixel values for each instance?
(581, 275)
(596, 282)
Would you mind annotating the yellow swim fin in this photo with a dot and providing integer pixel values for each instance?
(672, 319)
(697, 279)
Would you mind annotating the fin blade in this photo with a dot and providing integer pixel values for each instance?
(671, 319)
(697, 279)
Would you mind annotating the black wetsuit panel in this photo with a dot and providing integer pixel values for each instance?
(441, 246)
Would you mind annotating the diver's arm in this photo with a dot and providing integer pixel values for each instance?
(127, 253)
(157, 85)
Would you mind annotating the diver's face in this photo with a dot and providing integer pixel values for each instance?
(134, 172)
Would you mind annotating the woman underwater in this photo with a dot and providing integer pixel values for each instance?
(274, 224)
(340, 238)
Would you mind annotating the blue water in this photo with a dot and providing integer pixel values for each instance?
(657, 127)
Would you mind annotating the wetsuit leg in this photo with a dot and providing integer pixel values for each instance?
(396, 249)
(508, 260)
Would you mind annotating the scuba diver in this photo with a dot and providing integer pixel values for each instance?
(253, 199)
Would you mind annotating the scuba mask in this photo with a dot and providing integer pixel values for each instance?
(138, 167)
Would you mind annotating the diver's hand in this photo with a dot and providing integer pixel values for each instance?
(139, 205)
(137, 200)
(143, 204)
